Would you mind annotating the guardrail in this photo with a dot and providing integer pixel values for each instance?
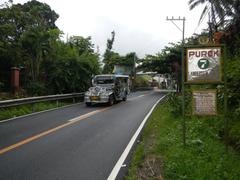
(32, 100)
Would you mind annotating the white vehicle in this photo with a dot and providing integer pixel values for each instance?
(107, 88)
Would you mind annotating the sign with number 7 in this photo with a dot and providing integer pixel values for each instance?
(204, 64)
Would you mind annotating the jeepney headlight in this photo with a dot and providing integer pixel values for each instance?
(87, 93)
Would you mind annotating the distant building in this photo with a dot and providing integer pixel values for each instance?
(123, 70)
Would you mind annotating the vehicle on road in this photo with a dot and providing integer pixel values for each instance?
(107, 88)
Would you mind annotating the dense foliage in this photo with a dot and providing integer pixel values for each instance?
(30, 40)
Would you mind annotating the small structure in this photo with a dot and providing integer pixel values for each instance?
(15, 76)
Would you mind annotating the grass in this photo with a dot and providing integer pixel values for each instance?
(162, 154)
(6, 113)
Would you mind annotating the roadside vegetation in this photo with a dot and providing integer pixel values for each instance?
(143, 81)
(161, 154)
(12, 112)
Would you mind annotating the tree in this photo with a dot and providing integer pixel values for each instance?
(86, 53)
(67, 71)
(25, 33)
(84, 45)
(37, 34)
(109, 55)
(130, 59)
(234, 10)
(10, 47)
(217, 10)
(6, 4)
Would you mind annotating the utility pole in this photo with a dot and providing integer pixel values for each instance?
(180, 88)
(183, 26)
(183, 42)
(183, 72)
(134, 72)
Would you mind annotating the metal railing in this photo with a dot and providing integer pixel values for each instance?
(33, 100)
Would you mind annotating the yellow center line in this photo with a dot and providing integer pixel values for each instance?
(37, 136)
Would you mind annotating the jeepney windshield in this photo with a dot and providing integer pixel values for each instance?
(103, 80)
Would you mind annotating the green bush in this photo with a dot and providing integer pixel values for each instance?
(233, 84)
(6, 113)
(176, 103)
(234, 134)
(36, 88)
(142, 81)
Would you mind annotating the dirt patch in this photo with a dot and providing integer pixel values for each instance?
(150, 169)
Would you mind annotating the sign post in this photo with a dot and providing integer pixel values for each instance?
(202, 65)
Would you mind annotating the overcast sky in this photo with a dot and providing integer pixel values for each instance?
(140, 25)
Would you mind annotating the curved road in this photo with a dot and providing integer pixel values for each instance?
(74, 142)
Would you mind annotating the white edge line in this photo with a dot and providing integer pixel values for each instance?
(26, 115)
(125, 153)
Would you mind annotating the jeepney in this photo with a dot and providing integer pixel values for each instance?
(107, 88)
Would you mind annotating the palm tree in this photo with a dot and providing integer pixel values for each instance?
(234, 10)
(217, 9)
(233, 27)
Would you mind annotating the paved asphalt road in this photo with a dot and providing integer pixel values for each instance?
(54, 146)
